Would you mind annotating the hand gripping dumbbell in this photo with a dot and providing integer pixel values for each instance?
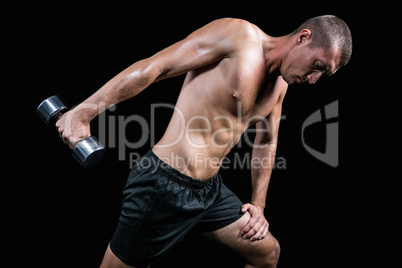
(87, 152)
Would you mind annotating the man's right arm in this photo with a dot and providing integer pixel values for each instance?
(206, 45)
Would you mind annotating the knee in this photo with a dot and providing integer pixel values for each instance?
(273, 255)
(268, 258)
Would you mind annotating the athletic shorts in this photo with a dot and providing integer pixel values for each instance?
(161, 206)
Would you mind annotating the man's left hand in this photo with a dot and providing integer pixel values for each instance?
(257, 226)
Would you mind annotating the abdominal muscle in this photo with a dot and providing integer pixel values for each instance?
(196, 141)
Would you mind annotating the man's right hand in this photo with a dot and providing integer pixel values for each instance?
(73, 128)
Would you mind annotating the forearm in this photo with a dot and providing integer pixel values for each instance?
(123, 86)
(261, 170)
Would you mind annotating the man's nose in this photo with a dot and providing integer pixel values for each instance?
(313, 77)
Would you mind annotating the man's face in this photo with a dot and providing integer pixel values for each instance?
(306, 64)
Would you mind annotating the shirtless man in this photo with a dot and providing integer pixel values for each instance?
(236, 76)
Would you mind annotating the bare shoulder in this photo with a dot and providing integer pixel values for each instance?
(239, 29)
(237, 24)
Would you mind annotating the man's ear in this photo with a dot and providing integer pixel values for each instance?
(304, 37)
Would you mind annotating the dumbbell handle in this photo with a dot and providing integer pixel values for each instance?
(57, 116)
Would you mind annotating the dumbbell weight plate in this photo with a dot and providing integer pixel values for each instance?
(89, 151)
(49, 107)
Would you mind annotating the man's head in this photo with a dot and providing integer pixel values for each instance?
(320, 46)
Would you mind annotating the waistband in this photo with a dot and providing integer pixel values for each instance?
(173, 173)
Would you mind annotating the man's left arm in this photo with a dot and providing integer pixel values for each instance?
(263, 157)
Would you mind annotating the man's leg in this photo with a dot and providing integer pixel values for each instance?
(111, 261)
(260, 253)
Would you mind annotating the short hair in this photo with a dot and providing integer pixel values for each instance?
(329, 32)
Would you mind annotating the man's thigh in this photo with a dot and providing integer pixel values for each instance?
(111, 261)
(231, 237)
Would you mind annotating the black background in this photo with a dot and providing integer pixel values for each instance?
(56, 214)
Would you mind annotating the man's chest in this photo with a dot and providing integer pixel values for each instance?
(250, 84)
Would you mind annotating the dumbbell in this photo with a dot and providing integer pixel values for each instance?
(87, 152)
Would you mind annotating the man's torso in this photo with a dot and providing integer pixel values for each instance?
(217, 103)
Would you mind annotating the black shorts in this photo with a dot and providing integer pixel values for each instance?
(161, 205)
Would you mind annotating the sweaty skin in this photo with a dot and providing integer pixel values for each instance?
(236, 76)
